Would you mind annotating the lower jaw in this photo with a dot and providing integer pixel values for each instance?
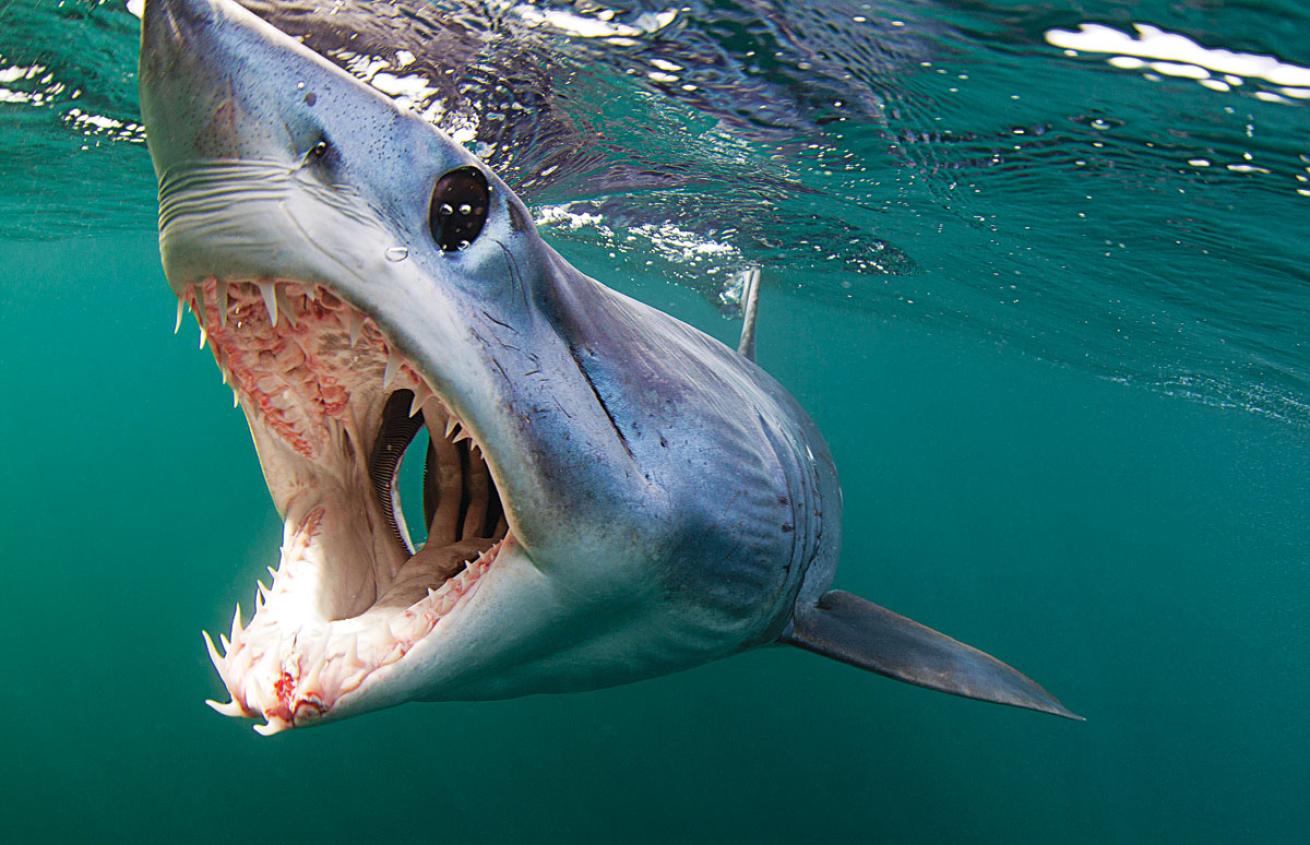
(295, 674)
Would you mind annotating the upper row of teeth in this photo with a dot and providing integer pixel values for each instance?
(275, 303)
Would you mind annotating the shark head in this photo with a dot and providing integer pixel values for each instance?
(359, 275)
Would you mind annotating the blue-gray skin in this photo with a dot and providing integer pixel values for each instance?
(669, 503)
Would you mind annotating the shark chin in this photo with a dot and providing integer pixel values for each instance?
(609, 494)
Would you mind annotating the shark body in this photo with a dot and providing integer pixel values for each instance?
(610, 494)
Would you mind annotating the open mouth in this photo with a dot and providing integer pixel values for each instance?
(333, 407)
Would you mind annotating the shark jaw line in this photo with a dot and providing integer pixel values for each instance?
(332, 405)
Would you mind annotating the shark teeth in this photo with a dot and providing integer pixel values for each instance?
(283, 308)
(421, 395)
(322, 666)
(354, 327)
(266, 289)
(230, 708)
(213, 652)
(391, 368)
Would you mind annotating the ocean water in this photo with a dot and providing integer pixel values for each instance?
(1038, 269)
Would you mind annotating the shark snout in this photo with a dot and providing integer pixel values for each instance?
(215, 87)
(187, 94)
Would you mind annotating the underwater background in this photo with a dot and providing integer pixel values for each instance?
(1040, 271)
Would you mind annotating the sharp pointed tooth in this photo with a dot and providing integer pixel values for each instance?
(352, 682)
(177, 324)
(284, 305)
(272, 572)
(214, 656)
(227, 644)
(451, 425)
(220, 296)
(263, 590)
(204, 336)
(231, 708)
(236, 400)
(310, 681)
(237, 627)
(389, 372)
(355, 324)
(273, 726)
(198, 307)
(268, 291)
(419, 398)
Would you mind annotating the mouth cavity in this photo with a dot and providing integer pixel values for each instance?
(333, 407)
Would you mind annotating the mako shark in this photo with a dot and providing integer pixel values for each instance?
(610, 494)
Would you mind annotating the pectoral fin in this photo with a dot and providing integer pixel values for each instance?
(845, 627)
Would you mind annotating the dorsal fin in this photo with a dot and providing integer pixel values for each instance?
(848, 628)
(750, 302)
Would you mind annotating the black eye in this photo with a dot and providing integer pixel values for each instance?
(459, 208)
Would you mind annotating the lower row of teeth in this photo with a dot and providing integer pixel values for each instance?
(406, 629)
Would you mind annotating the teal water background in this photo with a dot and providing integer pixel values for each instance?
(1120, 510)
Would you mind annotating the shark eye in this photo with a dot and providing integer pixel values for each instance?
(459, 208)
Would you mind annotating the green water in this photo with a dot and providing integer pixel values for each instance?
(1123, 519)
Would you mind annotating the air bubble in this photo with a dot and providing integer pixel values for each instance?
(397, 253)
